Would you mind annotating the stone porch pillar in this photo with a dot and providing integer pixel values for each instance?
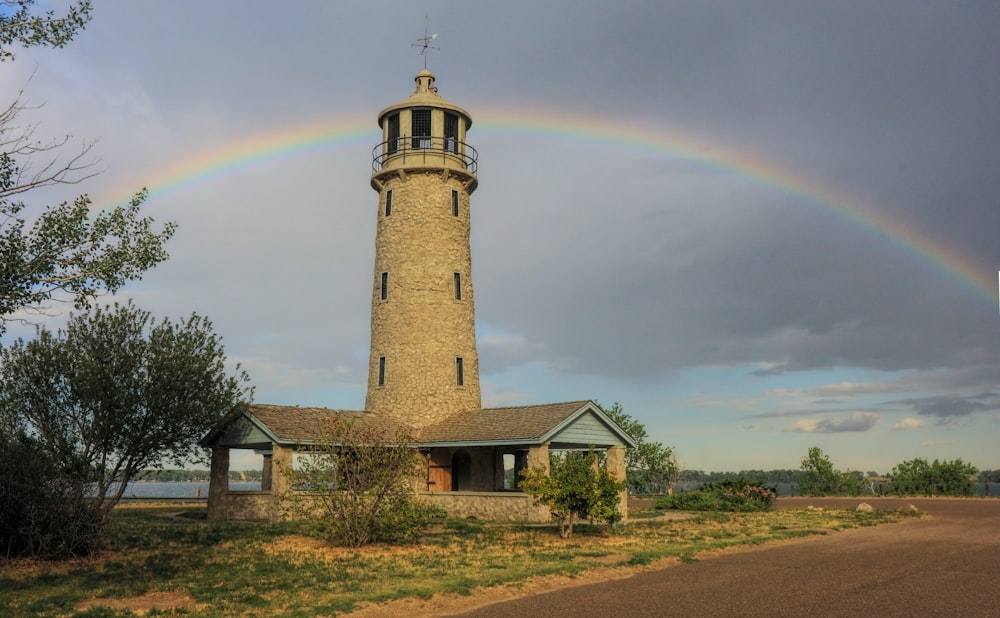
(218, 483)
(616, 469)
(265, 473)
(538, 457)
(281, 484)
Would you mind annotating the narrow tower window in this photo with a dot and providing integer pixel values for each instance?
(454, 203)
(392, 141)
(458, 286)
(385, 286)
(459, 371)
(451, 132)
(381, 371)
(420, 124)
(388, 202)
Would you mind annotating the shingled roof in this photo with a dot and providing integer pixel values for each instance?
(523, 424)
(574, 422)
(260, 423)
(295, 424)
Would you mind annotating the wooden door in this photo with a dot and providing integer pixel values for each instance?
(439, 470)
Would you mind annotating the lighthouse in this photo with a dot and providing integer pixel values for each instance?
(423, 372)
(423, 366)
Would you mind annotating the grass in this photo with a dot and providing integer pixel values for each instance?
(241, 569)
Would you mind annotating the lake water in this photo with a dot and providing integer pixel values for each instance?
(181, 489)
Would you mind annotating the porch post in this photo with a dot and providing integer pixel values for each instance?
(218, 483)
(265, 473)
(616, 469)
(538, 457)
(281, 466)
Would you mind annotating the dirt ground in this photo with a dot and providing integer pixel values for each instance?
(944, 564)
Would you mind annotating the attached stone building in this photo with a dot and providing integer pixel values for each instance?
(423, 366)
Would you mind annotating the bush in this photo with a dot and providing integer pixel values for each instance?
(44, 512)
(943, 478)
(358, 477)
(738, 495)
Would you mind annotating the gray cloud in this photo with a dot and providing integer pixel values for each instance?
(947, 407)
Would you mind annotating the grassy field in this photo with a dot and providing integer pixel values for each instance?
(168, 557)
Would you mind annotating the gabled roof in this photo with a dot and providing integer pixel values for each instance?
(260, 425)
(572, 423)
(564, 425)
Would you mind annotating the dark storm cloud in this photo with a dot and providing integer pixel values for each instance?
(890, 104)
(947, 407)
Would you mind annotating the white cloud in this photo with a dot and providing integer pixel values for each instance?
(854, 422)
(909, 423)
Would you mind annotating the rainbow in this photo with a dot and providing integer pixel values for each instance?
(281, 145)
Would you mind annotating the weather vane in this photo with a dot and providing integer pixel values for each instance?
(424, 42)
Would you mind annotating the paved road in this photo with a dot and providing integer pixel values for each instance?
(944, 564)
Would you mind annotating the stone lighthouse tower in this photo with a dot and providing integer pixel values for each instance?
(424, 366)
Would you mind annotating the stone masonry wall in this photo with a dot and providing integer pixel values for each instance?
(490, 506)
(420, 328)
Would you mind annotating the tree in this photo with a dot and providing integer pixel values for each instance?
(20, 25)
(66, 251)
(116, 393)
(650, 467)
(947, 478)
(359, 479)
(574, 486)
(820, 478)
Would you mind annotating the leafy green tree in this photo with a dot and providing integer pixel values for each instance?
(116, 393)
(358, 479)
(946, 478)
(65, 251)
(650, 467)
(20, 25)
(575, 486)
(820, 478)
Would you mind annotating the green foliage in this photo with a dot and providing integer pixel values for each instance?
(820, 478)
(43, 511)
(945, 478)
(575, 486)
(651, 467)
(67, 250)
(359, 477)
(114, 394)
(736, 495)
(63, 252)
(20, 25)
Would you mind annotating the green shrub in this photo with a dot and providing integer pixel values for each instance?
(576, 486)
(739, 495)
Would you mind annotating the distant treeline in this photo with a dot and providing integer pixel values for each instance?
(173, 476)
(768, 477)
(761, 477)
(989, 476)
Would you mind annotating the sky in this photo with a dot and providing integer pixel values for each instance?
(759, 226)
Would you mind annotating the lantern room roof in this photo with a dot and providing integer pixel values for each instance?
(425, 95)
